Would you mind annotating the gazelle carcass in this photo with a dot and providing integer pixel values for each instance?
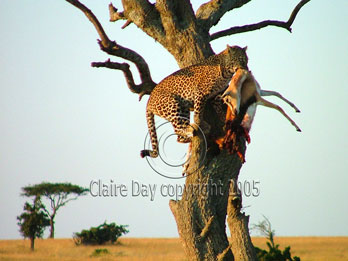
(242, 88)
(242, 97)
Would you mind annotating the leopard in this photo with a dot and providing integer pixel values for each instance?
(188, 90)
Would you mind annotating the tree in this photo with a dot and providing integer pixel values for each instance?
(201, 216)
(57, 193)
(33, 221)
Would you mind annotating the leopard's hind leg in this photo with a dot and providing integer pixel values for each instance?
(182, 128)
(198, 114)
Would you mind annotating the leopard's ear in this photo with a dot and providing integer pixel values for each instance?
(227, 50)
(245, 48)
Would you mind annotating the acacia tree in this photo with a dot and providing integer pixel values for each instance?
(58, 195)
(184, 33)
(33, 221)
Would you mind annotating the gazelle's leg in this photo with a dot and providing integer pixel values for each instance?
(273, 93)
(278, 108)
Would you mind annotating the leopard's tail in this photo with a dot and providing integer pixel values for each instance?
(152, 130)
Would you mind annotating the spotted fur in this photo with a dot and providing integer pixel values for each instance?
(189, 89)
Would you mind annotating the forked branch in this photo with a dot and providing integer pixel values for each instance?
(141, 89)
(251, 27)
(112, 48)
(210, 13)
(115, 16)
(143, 14)
(93, 19)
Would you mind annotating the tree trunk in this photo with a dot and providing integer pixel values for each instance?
(238, 222)
(32, 242)
(51, 227)
(208, 197)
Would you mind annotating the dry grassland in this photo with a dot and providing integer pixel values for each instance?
(148, 249)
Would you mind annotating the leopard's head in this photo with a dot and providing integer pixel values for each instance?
(236, 58)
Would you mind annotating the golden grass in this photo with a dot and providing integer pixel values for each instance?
(148, 249)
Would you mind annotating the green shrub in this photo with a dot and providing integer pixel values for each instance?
(273, 253)
(100, 235)
(100, 251)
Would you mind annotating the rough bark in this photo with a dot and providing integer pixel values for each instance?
(238, 222)
(201, 213)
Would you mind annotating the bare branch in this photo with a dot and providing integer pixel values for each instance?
(63, 203)
(59, 201)
(251, 27)
(141, 89)
(112, 48)
(175, 15)
(45, 209)
(93, 19)
(222, 255)
(128, 22)
(53, 202)
(295, 11)
(115, 15)
(207, 228)
(145, 15)
(210, 13)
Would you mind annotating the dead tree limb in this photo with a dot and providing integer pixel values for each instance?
(251, 27)
(141, 89)
(210, 13)
(144, 15)
(112, 48)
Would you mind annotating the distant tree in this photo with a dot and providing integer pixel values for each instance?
(33, 221)
(57, 193)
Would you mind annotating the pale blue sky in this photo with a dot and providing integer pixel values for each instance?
(63, 121)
